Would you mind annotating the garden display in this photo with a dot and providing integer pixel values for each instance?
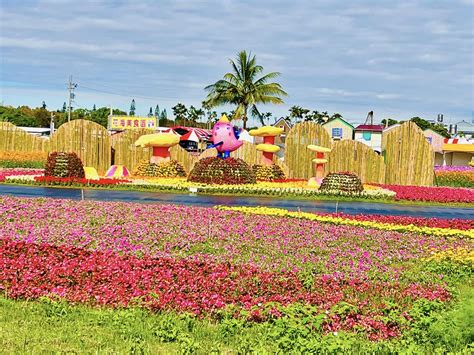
(275, 280)
(344, 182)
(25, 160)
(117, 172)
(64, 165)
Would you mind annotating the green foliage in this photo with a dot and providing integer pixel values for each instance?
(244, 88)
(391, 122)
(424, 124)
(132, 108)
(61, 164)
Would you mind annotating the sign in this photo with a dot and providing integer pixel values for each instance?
(120, 123)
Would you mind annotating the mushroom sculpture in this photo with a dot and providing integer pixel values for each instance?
(268, 146)
(161, 143)
(319, 162)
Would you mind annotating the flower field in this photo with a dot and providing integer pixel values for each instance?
(432, 194)
(460, 176)
(326, 275)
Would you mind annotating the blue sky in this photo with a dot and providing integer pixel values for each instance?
(397, 58)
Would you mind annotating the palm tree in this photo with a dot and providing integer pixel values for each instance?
(243, 87)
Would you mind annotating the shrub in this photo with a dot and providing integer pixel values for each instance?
(222, 171)
(22, 159)
(168, 169)
(344, 181)
(268, 173)
(61, 164)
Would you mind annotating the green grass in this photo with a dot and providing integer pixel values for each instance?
(56, 326)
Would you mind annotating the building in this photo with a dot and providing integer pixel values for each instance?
(282, 123)
(436, 141)
(369, 134)
(36, 131)
(458, 151)
(463, 129)
(339, 129)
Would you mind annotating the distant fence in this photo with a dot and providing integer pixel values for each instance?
(407, 158)
(297, 156)
(358, 158)
(124, 149)
(13, 138)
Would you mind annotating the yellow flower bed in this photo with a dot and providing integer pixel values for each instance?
(445, 232)
(459, 255)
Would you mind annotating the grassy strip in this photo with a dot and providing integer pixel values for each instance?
(56, 326)
(288, 196)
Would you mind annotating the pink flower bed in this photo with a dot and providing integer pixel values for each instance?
(17, 172)
(432, 194)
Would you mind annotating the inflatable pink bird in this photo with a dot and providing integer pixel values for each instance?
(225, 137)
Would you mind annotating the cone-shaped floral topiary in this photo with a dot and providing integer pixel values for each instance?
(62, 164)
(214, 170)
(345, 181)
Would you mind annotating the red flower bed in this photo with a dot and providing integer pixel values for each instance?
(52, 180)
(18, 171)
(29, 270)
(432, 194)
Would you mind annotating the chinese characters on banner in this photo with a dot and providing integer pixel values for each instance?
(120, 123)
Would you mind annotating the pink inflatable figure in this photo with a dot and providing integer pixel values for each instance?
(225, 138)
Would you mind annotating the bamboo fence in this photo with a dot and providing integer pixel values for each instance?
(184, 157)
(298, 157)
(89, 140)
(13, 139)
(357, 158)
(409, 158)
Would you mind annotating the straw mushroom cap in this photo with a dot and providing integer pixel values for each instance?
(319, 149)
(266, 131)
(157, 140)
(320, 161)
(267, 148)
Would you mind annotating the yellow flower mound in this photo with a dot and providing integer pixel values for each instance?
(91, 173)
(157, 140)
(459, 255)
(268, 148)
(266, 131)
(444, 232)
(319, 149)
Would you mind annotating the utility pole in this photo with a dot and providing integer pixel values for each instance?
(70, 87)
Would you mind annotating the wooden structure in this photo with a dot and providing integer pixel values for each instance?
(409, 158)
(358, 158)
(13, 138)
(297, 157)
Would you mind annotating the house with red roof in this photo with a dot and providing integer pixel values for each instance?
(370, 134)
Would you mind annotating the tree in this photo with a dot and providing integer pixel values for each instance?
(93, 108)
(420, 122)
(64, 107)
(150, 113)
(157, 111)
(195, 114)
(242, 87)
(298, 113)
(132, 108)
(180, 111)
(43, 105)
(388, 122)
(264, 116)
